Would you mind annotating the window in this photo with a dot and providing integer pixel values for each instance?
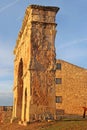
(58, 80)
(58, 99)
(58, 66)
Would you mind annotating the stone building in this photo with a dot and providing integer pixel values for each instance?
(34, 65)
(5, 113)
(71, 88)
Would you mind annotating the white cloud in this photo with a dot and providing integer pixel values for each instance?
(6, 66)
(20, 17)
(6, 94)
(6, 99)
(6, 85)
(6, 54)
(74, 52)
(6, 72)
(8, 6)
(70, 53)
(71, 43)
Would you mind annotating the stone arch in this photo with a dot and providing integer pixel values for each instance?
(20, 89)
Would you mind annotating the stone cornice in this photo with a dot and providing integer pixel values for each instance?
(37, 22)
(45, 8)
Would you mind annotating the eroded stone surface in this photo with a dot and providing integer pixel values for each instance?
(34, 65)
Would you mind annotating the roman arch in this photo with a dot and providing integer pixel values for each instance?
(34, 65)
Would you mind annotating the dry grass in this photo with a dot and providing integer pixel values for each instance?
(59, 125)
(68, 125)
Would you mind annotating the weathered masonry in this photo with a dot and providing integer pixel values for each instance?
(34, 65)
(71, 89)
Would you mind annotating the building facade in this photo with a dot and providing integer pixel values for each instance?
(34, 65)
(71, 88)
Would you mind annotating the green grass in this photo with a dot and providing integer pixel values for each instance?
(67, 125)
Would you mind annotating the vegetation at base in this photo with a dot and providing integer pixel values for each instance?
(56, 125)
(67, 125)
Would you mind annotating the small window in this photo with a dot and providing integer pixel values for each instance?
(58, 80)
(58, 99)
(58, 66)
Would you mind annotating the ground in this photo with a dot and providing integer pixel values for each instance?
(59, 125)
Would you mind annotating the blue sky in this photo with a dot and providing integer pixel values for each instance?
(71, 38)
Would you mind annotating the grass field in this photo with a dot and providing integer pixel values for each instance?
(59, 125)
(67, 125)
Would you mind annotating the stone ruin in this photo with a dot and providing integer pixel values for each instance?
(34, 66)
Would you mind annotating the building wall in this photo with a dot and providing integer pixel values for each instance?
(72, 89)
(5, 113)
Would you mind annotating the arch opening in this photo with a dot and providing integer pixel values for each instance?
(20, 89)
